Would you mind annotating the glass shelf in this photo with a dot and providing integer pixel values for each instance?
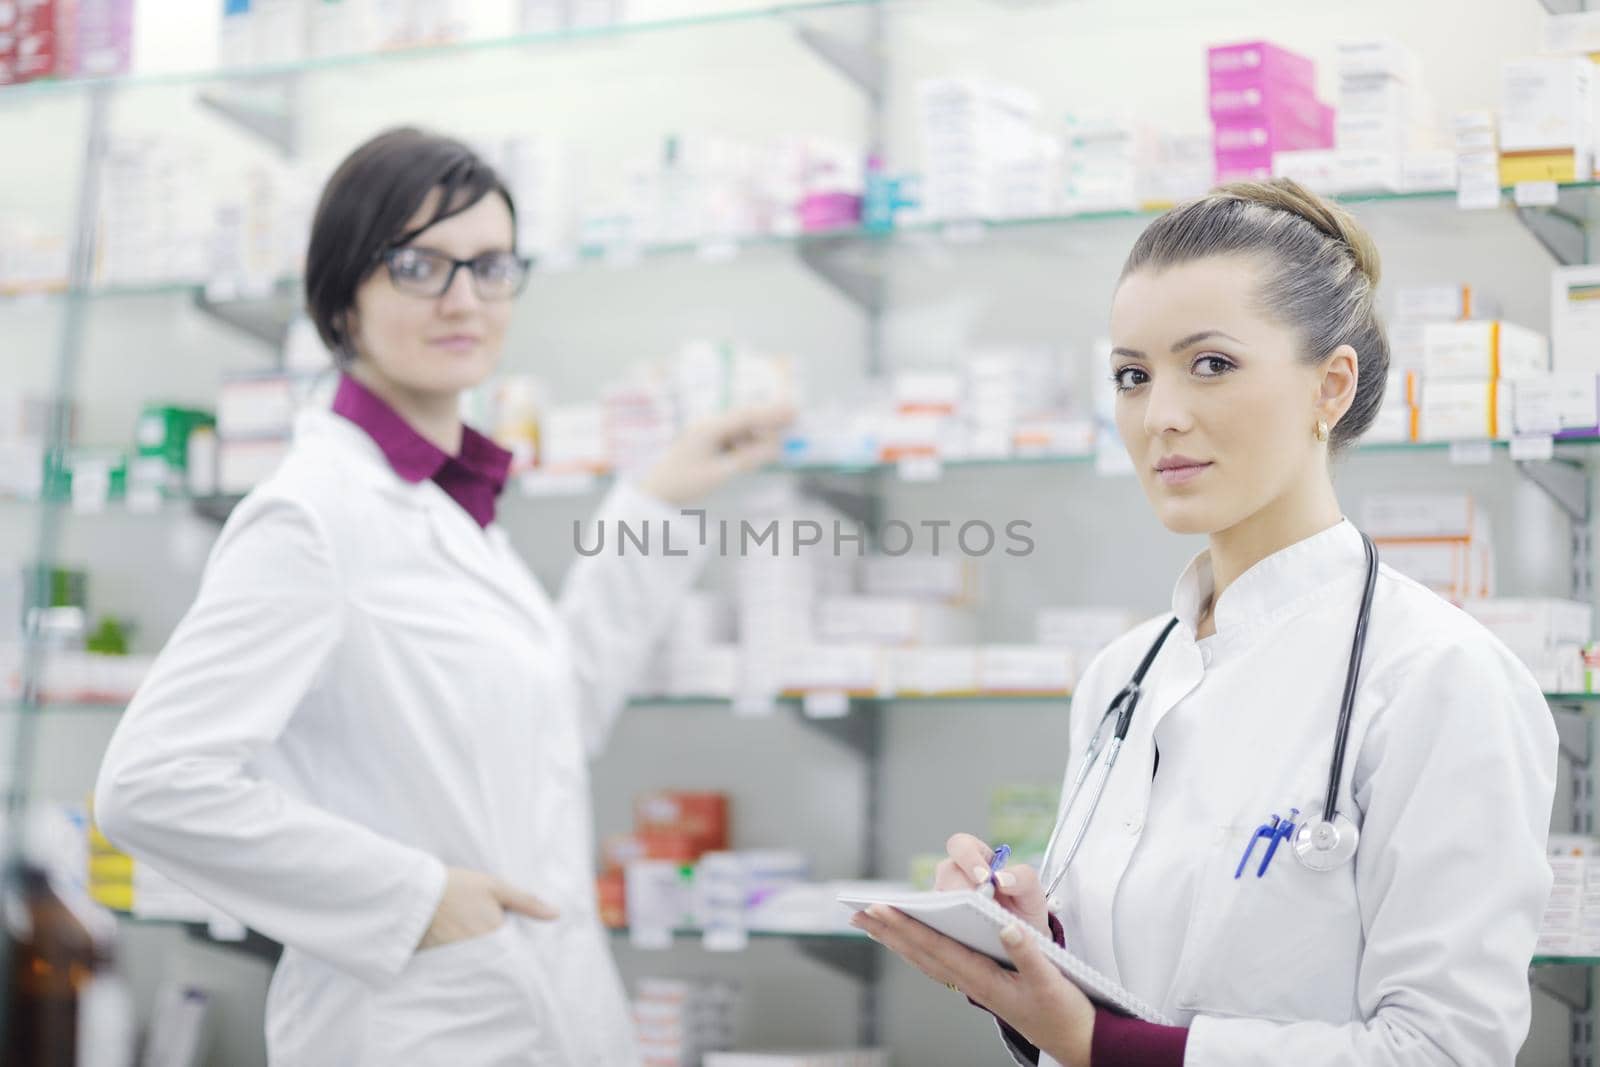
(955, 232)
(70, 707)
(1566, 961)
(687, 934)
(462, 51)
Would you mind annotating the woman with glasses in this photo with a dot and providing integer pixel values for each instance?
(368, 738)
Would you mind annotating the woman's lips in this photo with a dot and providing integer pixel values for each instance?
(456, 343)
(1181, 474)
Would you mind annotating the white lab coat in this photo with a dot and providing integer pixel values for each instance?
(1414, 955)
(369, 688)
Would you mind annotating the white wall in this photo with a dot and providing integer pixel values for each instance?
(1096, 540)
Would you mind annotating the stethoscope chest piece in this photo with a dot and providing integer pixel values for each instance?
(1323, 844)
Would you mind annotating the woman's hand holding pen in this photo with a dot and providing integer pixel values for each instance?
(474, 904)
(1034, 999)
(1016, 889)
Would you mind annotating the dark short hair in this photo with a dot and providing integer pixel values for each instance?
(365, 208)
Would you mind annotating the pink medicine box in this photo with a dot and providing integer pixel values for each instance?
(1275, 133)
(1258, 64)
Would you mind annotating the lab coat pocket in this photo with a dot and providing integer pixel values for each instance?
(464, 1002)
(1283, 946)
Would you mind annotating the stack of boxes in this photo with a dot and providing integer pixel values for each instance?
(1470, 370)
(163, 440)
(1441, 540)
(1566, 404)
(1386, 132)
(64, 39)
(1263, 101)
(155, 224)
(1551, 636)
(699, 656)
(24, 421)
(1571, 925)
(983, 155)
(672, 830)
(1456, 373)
(1546, 120)
(1104, 162)
(256, 414)
(679, 1022)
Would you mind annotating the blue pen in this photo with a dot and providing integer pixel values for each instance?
(1001, 854)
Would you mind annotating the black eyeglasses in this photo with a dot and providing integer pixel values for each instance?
(495, 275)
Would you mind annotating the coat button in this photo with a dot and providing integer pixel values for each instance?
(1133, 824)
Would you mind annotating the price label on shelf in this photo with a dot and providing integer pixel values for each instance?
(1536, 447)
(1535, 194)
(555, 261)
(650, 938)
(726, 939)
(221, 290)
(622, 256)
(754, 705)
(920, 469)
(826, 704)
(555, 483)
(1471, 453)
(722, 250)
(91, 486)
(968, 232)
(1477, 181)
(143, 499)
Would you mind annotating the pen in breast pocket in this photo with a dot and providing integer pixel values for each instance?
(989, 885)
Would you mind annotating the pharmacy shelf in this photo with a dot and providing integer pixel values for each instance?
(463, 52)
(265, 307)
(689, 934)
(848, 952)
(1566, 961)
(67, 707)
(541, 487)
(973, 700)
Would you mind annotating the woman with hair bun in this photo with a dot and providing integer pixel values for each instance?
(1377, 909)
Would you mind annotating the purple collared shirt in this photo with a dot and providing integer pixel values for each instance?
(473, 479)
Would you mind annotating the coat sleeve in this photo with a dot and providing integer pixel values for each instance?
(617, 601)
(1455, 779)
(177, 789)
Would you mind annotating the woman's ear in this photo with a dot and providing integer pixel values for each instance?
(1336, 390)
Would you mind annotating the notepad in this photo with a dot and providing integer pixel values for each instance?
(976, 921)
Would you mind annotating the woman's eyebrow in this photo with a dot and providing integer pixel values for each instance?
(1203, 335)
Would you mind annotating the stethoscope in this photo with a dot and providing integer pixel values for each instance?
(1320, 844)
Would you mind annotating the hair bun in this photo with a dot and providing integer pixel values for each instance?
(1285, 194)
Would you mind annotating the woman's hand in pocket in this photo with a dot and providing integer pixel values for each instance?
(475, 904)
(1017, 889)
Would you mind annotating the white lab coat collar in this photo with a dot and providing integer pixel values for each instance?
(485, 554)
(1275, 586)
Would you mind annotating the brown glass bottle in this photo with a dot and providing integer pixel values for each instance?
(53, 960)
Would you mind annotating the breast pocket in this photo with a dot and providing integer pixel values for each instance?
(1283, 946)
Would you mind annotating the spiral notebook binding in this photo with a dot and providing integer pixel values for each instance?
(1077, 968)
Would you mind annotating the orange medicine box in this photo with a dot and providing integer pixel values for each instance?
(702, 816)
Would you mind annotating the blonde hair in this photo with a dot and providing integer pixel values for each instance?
(1321, 273)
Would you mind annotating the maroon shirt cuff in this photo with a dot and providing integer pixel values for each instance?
(1120, 1041)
